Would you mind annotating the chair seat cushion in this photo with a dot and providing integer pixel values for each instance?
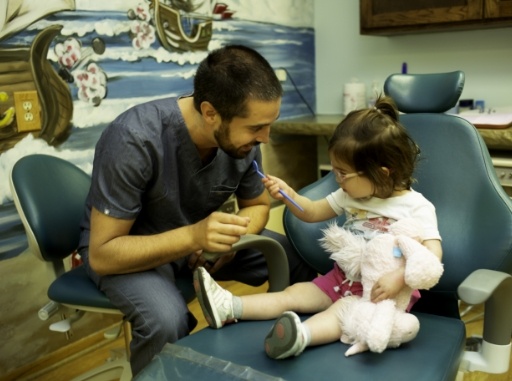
(76, 288)
(440, 338)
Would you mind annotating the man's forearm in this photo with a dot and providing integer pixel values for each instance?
(129, 253)
(259, 215)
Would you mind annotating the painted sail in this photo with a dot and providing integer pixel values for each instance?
(187, 6)
(16, 15)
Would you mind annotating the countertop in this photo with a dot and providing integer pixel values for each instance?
(500, 139)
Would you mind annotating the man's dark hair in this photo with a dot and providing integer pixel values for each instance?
(230, 76)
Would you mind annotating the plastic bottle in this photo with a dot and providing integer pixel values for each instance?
(354, 96)
(374, 93)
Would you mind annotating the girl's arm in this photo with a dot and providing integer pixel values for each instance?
(434, 245)
(314, 210)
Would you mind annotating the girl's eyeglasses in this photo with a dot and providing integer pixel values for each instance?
(345, 176)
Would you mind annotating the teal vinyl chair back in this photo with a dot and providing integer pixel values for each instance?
(455, 172)
(49, 194)
(475, 221)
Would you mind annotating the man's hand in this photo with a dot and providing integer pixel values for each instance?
(209, 262)
(218, 232)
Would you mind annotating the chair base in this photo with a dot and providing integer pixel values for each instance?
(113, 370)
(117, 368)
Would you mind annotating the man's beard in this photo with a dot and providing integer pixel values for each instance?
(224, 142)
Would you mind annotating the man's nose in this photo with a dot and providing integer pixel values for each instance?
(263, 135)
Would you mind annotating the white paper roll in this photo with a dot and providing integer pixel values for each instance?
(354, 96)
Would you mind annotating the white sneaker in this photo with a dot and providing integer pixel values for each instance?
(216, 303)
(286, 337)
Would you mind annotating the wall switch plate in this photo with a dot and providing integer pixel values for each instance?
(28, 111)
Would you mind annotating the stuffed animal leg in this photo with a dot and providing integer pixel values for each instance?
(374, 326)
(405, 328)
(348, 318)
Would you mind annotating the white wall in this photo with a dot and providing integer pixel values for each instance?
(342, 53)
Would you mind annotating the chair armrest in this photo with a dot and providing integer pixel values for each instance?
(277, 262)
(495, 289)
(480, 285)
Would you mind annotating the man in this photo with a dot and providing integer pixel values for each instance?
(161, 170)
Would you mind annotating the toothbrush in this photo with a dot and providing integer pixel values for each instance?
(263, 176)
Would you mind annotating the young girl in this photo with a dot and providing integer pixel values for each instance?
(373, 159)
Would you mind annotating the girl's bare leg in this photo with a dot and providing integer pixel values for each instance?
(324, 326)
(303, 297)
(219, 306)
(289, 336)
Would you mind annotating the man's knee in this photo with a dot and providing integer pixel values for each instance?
(167, 324)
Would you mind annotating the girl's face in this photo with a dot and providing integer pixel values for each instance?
(355, 184)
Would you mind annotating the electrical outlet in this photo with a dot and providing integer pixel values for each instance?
(28, 111)
(281, 74)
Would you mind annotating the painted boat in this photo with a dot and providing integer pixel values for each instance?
(26, 69)
(170, 20)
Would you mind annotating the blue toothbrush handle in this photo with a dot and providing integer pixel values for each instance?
(263, 176)
(291, 200)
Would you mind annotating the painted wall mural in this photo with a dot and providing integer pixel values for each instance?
(69, 67)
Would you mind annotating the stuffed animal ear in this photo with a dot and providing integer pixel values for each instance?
(422, 268)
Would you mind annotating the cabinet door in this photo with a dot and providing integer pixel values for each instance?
(403, 15)
(497, 8)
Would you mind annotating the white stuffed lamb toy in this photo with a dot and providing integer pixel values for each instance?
(377, 326)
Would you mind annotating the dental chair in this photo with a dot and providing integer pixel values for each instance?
(475, 221)
(49, 194)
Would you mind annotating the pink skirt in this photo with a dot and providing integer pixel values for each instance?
(336, 285)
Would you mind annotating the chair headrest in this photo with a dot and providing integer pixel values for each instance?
(414, 93)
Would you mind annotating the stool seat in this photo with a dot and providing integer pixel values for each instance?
(64, 290)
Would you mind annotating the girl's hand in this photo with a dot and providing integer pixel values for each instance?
(388, 286)
(274, 184)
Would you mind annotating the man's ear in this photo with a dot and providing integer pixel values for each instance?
(385, 170)
(209, 113)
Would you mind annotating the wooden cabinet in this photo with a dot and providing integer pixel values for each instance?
(495, 9)
(391, 17)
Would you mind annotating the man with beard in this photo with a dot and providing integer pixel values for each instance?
(161, 171)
